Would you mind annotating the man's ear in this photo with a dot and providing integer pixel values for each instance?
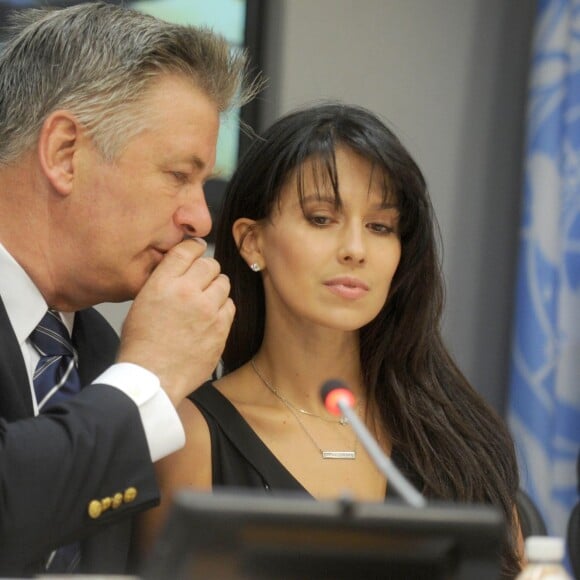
(246, 234)
(57, 143)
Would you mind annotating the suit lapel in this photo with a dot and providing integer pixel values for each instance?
(15, 396)
(96, 344)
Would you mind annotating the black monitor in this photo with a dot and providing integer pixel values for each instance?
(244, 535)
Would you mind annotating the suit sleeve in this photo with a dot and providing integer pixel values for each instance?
(67, 473)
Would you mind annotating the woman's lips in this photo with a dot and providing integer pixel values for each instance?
(346, 287)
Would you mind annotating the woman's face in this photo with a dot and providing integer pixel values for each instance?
(331, 266)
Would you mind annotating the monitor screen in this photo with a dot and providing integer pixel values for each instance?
(239, 534)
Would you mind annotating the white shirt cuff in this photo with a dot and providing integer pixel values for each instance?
(163, 428)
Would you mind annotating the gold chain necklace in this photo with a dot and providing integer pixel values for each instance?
(342, 421)
(294, 410)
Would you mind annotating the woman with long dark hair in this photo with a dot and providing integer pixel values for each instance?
(329, 240)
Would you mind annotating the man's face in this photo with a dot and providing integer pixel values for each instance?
(127, 213)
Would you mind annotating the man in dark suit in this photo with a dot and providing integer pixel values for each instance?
(108, 128)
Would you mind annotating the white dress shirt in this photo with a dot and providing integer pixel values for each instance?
(26, 307)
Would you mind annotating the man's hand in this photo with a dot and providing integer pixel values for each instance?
(179, 321)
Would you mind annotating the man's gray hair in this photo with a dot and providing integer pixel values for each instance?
(97, 61)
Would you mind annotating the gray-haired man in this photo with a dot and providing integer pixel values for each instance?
(108, 128)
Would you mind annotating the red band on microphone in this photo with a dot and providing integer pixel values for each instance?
(334, 396)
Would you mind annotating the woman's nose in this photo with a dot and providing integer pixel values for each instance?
(352, 249)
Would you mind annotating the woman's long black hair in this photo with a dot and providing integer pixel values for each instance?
(458, 446)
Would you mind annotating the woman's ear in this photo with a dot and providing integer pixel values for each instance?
(57, 143)
(246, 233)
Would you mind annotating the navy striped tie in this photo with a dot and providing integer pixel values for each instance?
(55, 379)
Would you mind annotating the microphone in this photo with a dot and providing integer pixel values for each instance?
(339, 400)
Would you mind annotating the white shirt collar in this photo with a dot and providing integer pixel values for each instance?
(22, 299)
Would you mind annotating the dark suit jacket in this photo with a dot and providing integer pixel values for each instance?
(54, 465)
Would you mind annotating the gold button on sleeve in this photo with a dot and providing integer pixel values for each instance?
(117, 500)
(130, 494)
(106, 503)
(95, 510)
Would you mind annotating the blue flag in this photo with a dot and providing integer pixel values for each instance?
(544, 407)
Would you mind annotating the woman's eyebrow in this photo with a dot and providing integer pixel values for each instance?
(316, 198)
(386, 205)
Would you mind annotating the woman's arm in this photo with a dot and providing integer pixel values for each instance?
(190, 467)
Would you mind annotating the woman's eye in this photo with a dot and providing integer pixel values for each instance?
(381, 228)
(319, 220)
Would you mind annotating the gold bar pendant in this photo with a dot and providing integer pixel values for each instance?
(339, 455)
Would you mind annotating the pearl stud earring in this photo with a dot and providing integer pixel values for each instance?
(255, 267)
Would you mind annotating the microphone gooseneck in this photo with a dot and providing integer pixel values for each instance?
(339, 399)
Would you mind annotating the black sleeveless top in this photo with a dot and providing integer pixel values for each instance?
(240, 458)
